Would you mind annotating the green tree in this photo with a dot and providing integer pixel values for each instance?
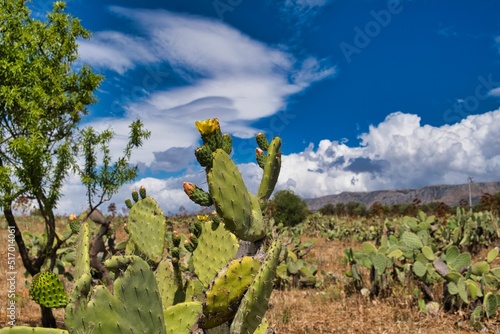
(42, 101)
(287, 208)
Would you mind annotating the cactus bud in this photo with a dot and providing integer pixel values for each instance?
(128, 203)
(74, 226)
(72, 217)
(204, 155)
(189, 246)
(194, 239)
(197, 195)
(262, 141)
(175, 253)
(142, 192)
(135, 196)
(227, 143)
(261, 157)
(176, 239)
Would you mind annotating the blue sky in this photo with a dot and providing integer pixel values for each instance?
(365, 94)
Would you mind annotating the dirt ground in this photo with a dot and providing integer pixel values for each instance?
(328, 309)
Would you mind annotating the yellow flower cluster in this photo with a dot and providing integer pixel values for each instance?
(208, 126)
(202, 218)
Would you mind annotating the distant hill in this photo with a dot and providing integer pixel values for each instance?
(449, 194)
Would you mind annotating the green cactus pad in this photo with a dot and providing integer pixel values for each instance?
(263, 327)
(419, 269)
(492, 255)
(490, 304)
(32, 330)
(168, 283)
(480, 268)
(232, 199)
(411, 240)
(82, 262)
(271, 172)
(227, 289)
(48, 290)
(146, 225)
(216, 247)
(181, 318)
(255, 302)
(135, 306)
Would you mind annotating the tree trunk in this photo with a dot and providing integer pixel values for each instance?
(48, 319)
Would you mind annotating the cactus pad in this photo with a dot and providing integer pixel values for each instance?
(48, 290)
(232, 199)
(272, 169)
(32, 330)
(168, 283)
(216, 247)
(135, 306)
(181, 318)
(146, 225)
(255, 302)
(227, 289)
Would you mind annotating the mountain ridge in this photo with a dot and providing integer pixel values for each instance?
(450, 194)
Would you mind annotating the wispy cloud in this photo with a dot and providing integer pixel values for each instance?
(227, 74)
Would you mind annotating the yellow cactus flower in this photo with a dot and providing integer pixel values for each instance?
(202, 218)
(207, 126)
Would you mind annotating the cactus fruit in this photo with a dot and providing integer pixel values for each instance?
(142, 192)
(227, 143)
(182, 318)
(227, 289)
(260, 157)
(204, 155)
(262, 141)
(255, 302)
(48, 290)
(197, 195)
(128, 203)
(135, 196)
(146, 225)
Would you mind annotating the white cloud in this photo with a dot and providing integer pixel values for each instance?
(231, 76)
(397, 153)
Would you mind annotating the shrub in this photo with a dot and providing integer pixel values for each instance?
(288, 209)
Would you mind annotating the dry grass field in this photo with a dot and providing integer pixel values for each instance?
(329, 309)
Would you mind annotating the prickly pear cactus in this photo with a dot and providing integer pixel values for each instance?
(134, 306)
(32, 330)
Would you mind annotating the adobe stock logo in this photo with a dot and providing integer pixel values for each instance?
(223, 6)
(372, 29)
(465, 107)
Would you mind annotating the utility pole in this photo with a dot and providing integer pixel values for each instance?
(470, 194)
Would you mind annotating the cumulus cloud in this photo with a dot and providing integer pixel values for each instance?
(399, 153)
